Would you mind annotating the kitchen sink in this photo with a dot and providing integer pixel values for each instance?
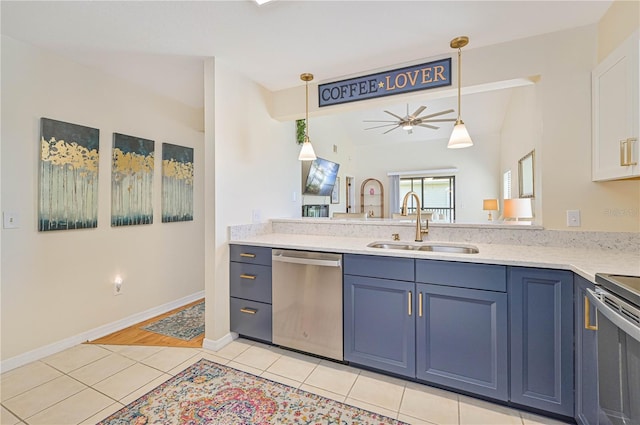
(432, 247)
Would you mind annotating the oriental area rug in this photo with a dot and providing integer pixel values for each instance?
(185, 324)
(209, 393)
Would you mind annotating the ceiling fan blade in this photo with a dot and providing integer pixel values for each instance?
(440, 120)
(436, 114)
(428, 126)
(394, 115)
(380, 121)
(391, 129)
(418, 112)
(380, 126)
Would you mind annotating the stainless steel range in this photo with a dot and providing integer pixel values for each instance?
(617, 300)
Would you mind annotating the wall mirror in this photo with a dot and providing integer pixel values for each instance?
(525, 175)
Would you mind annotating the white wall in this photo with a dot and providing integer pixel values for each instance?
(324, 135)
(56, 285)
(476, 179)
(256, 169)
(564, 61)
(522, 133)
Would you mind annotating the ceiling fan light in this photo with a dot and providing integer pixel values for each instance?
(306, 152)
(407, 127)
(459, 137)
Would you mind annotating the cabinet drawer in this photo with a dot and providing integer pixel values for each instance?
(488, 277)
(250, 281)
(380, 267)
(250, 318)
(250, 254)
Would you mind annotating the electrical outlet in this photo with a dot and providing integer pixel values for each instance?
(256, 216)
(10, 220)
(573, 218)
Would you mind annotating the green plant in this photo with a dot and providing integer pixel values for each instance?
(301, 126)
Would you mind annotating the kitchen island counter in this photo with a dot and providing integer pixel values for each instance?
(584, 262)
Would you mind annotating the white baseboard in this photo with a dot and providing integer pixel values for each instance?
(216, 344)
(56, 347)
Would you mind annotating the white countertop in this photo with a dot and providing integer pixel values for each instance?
(584, 262)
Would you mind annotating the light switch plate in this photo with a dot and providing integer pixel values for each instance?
(10, 220)
(573, 218)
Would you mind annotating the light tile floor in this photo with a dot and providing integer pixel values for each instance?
(86, 383)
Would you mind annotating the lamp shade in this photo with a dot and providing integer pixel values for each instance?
(517, 208)
(459, 137)
(306, 152)
(490, 205)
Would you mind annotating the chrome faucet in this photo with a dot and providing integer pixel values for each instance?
(419, 229)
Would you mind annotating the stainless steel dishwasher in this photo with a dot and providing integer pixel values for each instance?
(307, 301)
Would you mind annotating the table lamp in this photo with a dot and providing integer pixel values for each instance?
(490, 205)
(517, 208)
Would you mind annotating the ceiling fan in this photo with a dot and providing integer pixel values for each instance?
(412, 120)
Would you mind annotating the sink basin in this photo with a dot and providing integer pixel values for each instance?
(390, 245)
(454, 249)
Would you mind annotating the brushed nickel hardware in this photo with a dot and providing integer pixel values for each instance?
(410, 303)
(248, 310)
(248, 276)
(420, 304)
(247, 255)
(587, 316)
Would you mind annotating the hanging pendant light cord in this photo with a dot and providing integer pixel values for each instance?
(306, 127)
(459, 82)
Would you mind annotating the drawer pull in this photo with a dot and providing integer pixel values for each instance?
(248, 310)
(247, 255)
(587, 316)
(248, 276)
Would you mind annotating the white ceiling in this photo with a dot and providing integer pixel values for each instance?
(161, 44)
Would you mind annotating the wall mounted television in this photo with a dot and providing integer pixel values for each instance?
(321, 176)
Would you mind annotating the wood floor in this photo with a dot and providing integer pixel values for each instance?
(134, 335)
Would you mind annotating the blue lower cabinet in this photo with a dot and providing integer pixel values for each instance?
(541, 339)
(462, 339)
(586, 353)
(251, 318)
(379, 324)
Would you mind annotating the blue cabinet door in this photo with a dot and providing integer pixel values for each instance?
(379, 324)
(462, 339)
(541, 330)
(586, 355)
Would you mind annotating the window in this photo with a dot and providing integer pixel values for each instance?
(506, 185)
(437, 195)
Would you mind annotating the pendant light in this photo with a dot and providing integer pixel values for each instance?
(459, 136)
(306, 152)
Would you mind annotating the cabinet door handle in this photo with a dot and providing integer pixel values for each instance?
(629, 142)
(248, 276)
(410, 304)
(420, 304)
(626, 152)
(247, 255)
(587, 316)
(248, 310)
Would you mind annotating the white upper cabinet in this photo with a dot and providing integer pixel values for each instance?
(615, 91)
